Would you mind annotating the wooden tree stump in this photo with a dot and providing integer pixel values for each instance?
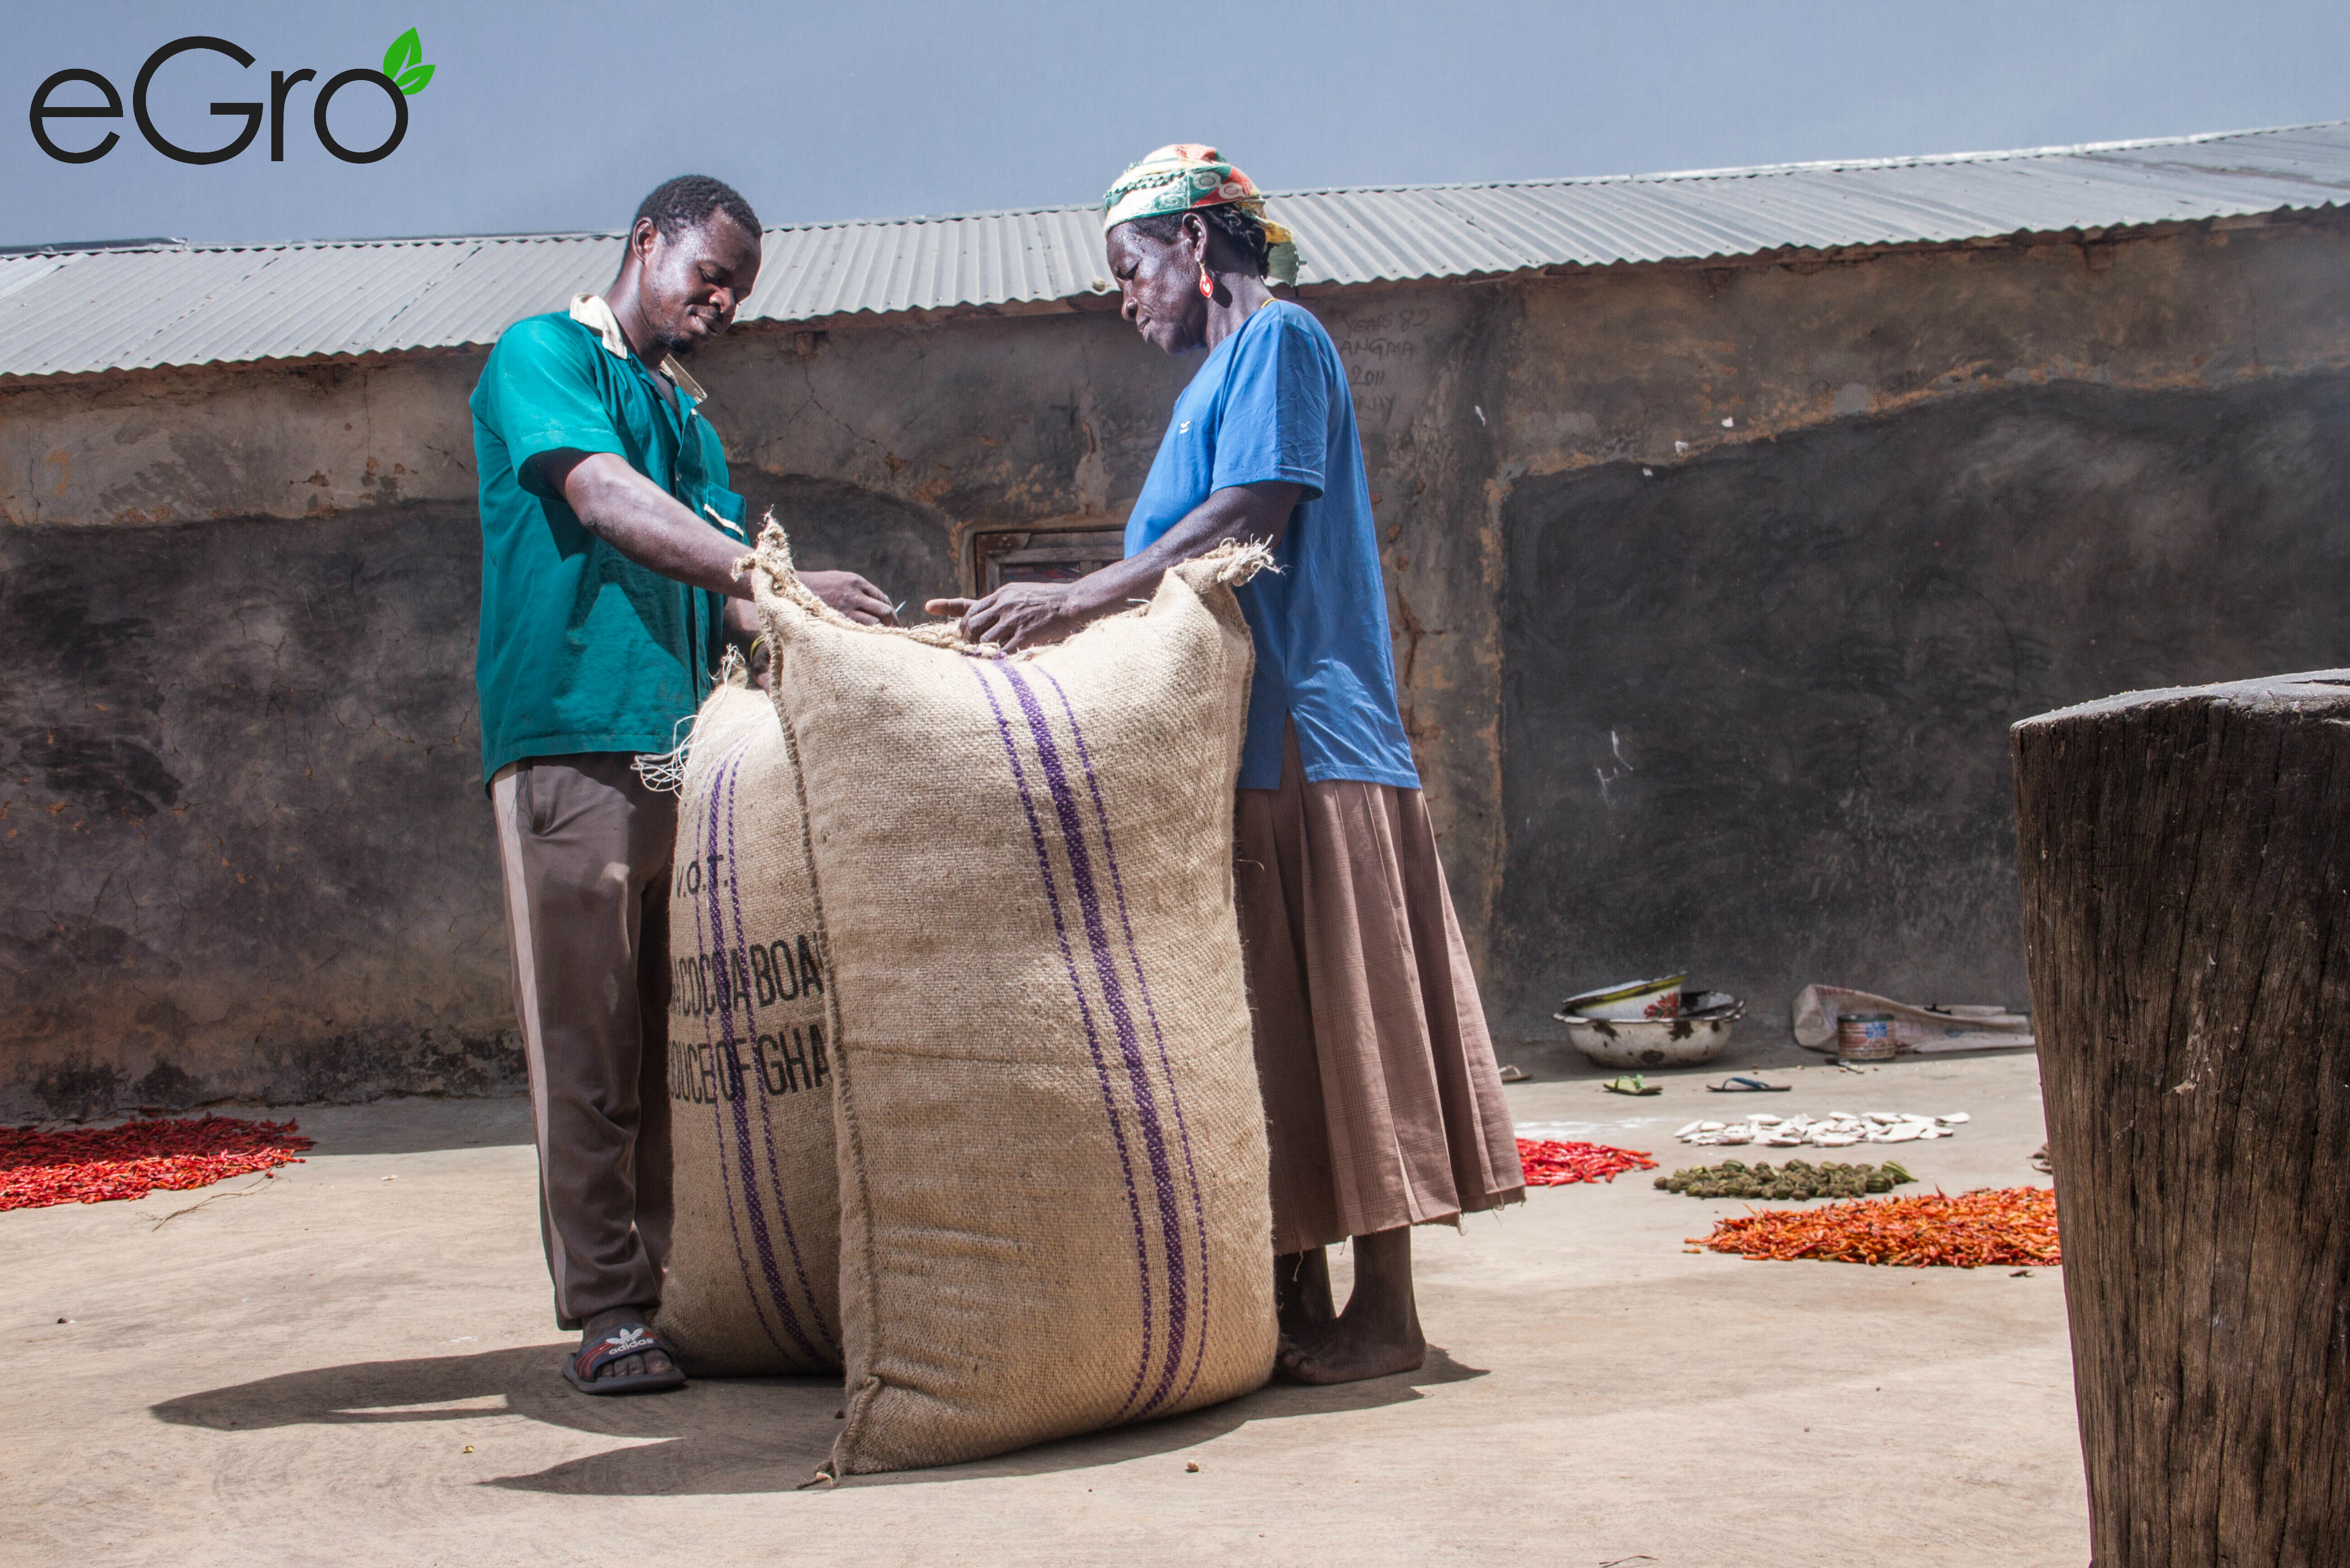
(2185, 858)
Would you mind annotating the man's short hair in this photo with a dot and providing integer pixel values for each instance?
(687, 202)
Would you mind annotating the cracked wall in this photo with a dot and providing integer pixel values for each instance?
(1654, 540)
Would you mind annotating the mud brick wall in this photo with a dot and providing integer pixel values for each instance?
(1713, 589)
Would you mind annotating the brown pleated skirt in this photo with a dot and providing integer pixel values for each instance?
(1382, 1102)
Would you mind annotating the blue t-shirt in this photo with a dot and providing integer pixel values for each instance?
(581, 648)
(1272, 403)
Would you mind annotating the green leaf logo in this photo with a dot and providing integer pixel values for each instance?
(404, 62)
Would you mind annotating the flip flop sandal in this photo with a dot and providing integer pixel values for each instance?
(629, 1339)
(1740, 1085)
(1631, 1084)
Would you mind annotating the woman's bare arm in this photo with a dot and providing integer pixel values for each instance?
(1024, 614)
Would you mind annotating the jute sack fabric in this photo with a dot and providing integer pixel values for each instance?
(754, 1283)
(1052, 1174)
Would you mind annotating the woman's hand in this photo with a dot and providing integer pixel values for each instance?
(1025, 615)
(1022, 615)
(852, 596)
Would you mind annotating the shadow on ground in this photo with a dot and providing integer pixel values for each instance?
(413, 1126)
(729, 1435)
(1547, 1061)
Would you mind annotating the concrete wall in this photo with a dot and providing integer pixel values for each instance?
(1712, 591)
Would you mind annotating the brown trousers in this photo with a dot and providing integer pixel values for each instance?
(584, 852)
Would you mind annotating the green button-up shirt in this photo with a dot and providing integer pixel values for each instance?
(581, 648)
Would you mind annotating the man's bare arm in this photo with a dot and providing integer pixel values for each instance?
(652, 528)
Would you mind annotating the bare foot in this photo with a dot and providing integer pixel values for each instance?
(1343, 1353)
(1377, 1334)
(601, 1326)
(1301, 1292)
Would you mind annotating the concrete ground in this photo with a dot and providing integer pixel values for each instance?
(354, 1364)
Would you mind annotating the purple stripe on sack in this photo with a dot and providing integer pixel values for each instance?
(766, 1115)
(1113, 990)
(1149, 1010)
(732, 1067)
(1084, 1012)
(702, 942)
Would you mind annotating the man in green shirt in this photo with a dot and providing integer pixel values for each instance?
(608, 595)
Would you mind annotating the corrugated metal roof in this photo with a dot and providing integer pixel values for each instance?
(926, 263)
(85, 311)
(1357, 235)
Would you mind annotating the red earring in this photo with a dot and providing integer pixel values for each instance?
(1207, 284)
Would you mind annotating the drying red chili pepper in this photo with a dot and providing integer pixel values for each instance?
(1549, 1163)
(2011, 1226)
(91, 1165)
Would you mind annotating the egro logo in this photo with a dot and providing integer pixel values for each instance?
(404, 74)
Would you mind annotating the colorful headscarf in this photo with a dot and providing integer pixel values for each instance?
(1185, 176)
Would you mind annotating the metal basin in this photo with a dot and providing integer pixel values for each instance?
(1636, 1000)
(1693, 1039)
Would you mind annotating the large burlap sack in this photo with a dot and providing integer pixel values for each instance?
(753, 1281)
(1054, 1214)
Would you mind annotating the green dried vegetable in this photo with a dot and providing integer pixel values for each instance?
(1795, 1179)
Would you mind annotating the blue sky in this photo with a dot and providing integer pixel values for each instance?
(543, 117)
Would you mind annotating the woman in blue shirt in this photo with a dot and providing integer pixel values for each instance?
(1382, 1102)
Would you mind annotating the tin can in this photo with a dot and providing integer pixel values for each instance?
(1865, 1037)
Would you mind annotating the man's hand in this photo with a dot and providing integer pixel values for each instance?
(1024, 614)
(852, 596)
(742, 634)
